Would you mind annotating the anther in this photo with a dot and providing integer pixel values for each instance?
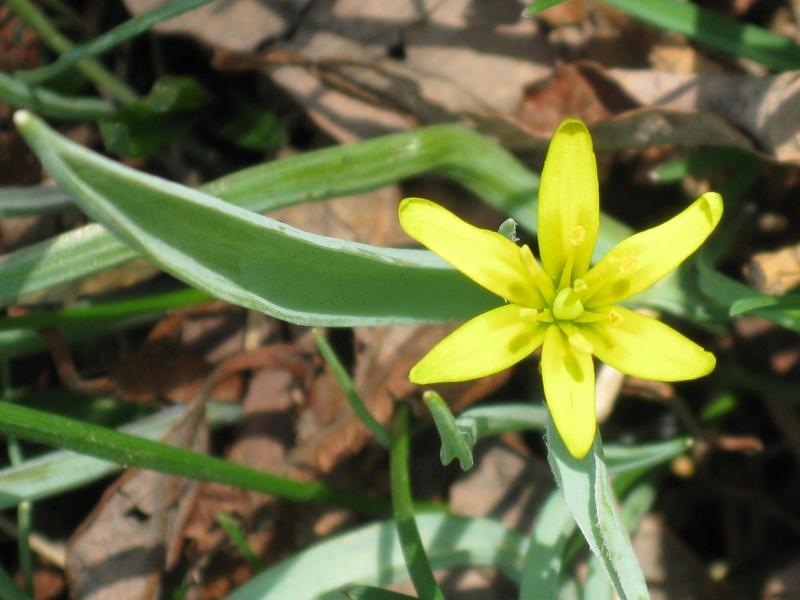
(529, 315)
(628, 264)
(578, 235)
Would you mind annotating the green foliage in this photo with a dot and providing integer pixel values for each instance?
(142, 127)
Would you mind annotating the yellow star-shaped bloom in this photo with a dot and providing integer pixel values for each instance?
(562, 304)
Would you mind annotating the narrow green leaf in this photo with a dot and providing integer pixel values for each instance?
(63, 470)
(371, 555)
(539, 6)
(457, 442)
(775, 52)
(79, 315)
(701, 162)
(622, 459)
(230, 527)
(32, 200)
(379, 431)
(125, 31)
(107, 444)
(729, 293)
(51, 104)
(774, 302)
(585, 485)
(495, 419)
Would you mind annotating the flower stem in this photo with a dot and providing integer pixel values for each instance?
(403, 508)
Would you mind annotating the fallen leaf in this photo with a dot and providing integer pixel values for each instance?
(135, 533)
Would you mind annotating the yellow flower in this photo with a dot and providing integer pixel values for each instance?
(561, 304)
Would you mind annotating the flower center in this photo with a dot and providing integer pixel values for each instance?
(567, 305)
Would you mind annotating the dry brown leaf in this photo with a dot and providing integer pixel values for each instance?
(135, 533)
(369, 218)
(766, 108)
(453, 56)
(235, 24)
(265, 432)
(504, 485)
(774, 273)
(671, 569)
(575, 90)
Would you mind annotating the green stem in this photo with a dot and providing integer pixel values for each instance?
(60, 44)
(417, 563)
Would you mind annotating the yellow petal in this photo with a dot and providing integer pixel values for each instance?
(487, 257)
(484, 345)
(639, 261)
(646, 348)
(568, 378)
(568, 198)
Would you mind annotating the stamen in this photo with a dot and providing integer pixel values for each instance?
(532, 315)
(590, 316)
(576, 339)
(576, 239)
(540, 278)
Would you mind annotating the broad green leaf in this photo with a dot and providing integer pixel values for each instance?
(636, 505)
(366, 592)
(371, 555)
(252, 260)
(542, 573)
(586, 488)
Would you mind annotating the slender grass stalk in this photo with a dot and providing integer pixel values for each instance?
(403, 507)
(125, 31)
(238, 538)
(53, 430)
(378, 430)
(58, 42)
